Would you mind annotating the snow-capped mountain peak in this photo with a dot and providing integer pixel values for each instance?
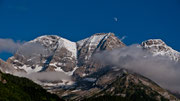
(95, 43)
(69, 45)
(46, 38)
(54, 53)
(94, 39)
(74, 59)
(57, 42)
(159, 47)
(43, 53)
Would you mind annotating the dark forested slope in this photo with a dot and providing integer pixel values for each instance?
(14, 88)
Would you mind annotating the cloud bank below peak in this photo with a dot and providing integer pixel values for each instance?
(160, 69)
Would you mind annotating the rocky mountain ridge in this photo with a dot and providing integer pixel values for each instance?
(53, 53)
(60, 54)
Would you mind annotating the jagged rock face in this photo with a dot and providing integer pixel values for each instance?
(158, 47)
(46, 53)
(53, 53)
(95, 43)
(89, 46)
(65, 56)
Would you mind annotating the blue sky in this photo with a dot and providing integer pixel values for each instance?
(139, 20)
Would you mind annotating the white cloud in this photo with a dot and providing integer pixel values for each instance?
(8, 45)
(158, 68)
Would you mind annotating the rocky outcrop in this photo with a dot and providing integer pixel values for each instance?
(6, 67)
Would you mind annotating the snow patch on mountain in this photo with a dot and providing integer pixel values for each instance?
(70, 46)
(29, 69)
(58, 69)
(90, 44)
(93, 40)
(46, 39)
(81, 42)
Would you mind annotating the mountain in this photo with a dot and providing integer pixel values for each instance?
(115, 83)
(14, 88)
(54, 53)
(87, 47)
(158, 47)
(132, 87)
(60, 54)
(48, 50)
(89, 78)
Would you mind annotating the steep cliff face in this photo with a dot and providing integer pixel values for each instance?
(95, 43)
(89, 46)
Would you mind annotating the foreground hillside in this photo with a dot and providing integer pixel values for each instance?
(14, 88)
(132, 87)
(120, 85)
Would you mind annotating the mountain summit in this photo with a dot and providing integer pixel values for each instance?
(54, 53)
(159, 47)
